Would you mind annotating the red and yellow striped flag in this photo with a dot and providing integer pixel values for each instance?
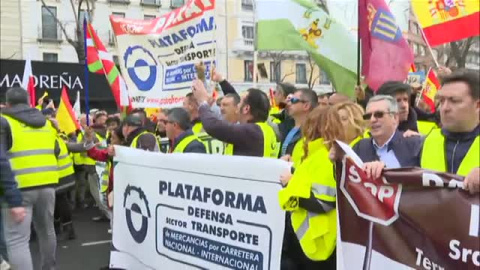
(444, 21)
(431, 87)
(412, 68)
(65, 115)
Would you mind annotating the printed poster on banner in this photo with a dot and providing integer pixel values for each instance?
(409, 219)
(218, 212)
(157, 57)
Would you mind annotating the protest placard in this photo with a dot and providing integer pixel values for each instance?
(219, 212)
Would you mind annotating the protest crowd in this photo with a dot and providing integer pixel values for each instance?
(48, 173)
(45, 178)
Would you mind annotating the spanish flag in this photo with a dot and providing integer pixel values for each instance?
(65, 115)
(412, 68)
(431, 87)
(444, 21)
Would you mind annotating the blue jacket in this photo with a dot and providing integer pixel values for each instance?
(407, 150)
(8, 185)
(193, 147)
(457, 146)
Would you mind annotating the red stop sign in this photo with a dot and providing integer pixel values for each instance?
(372, 199)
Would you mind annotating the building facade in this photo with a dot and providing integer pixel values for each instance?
(33, 32)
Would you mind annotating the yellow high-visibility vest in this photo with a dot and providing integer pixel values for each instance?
(425, 127)
(134, 143)
(271, 147)
(32, 155)
(180, 148)
(299, 152)
(434, 158)
(64, 160)
(212, 145)
(83, 158)
(105, 177)
(316, 232)
(274, 110)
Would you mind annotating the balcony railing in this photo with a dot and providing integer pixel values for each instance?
(151, 3)
(50, 34)
(176, 3)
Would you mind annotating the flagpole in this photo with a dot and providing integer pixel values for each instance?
(87, 108)
(255, 53)
(426, 41)
(358, 45)
(424, 85)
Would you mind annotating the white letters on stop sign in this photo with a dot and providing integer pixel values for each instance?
(354, 177)
(380, 192)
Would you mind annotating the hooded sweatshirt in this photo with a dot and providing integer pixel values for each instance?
(23, 113)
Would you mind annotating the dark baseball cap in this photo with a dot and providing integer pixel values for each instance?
(133, 121)
(392, 87)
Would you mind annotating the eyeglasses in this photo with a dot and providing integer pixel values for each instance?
(377, 114)
(295, 100)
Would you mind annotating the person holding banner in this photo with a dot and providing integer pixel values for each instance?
(178, 131)
(459, 100)
(388, 147)
(252, 136)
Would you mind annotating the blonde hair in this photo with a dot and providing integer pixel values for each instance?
(355, 116)
(316, 126)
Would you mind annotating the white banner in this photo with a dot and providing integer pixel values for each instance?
(194, 211)
(157, 56)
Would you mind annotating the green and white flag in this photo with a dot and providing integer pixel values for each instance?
(301, 25)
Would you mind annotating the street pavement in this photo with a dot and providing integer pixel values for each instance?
(91, 249)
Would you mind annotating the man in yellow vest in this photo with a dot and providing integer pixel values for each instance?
(455, 147)
(252, 136)
(137, 136)
(32, 151)
(179, 132)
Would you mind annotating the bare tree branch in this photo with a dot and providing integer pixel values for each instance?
(74, 13)
(286, 75)
(59, 23)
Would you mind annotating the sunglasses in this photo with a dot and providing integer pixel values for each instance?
(295, 100)
(377, 115)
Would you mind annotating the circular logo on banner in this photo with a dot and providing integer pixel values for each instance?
(141, 67)
(137, 212)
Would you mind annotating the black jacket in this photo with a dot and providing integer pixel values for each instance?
(193, 147)
(407, 150)
(410, 123)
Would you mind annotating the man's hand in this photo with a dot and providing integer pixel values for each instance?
(199, 91)
(373, 169)
(286, 158)
(111, 150)
(336, 153)
(444, 71)
(18, 213)
(216, 77)
(89, 134)
(285, 177)
(410, 133)
(472, 181)
(50, 105)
